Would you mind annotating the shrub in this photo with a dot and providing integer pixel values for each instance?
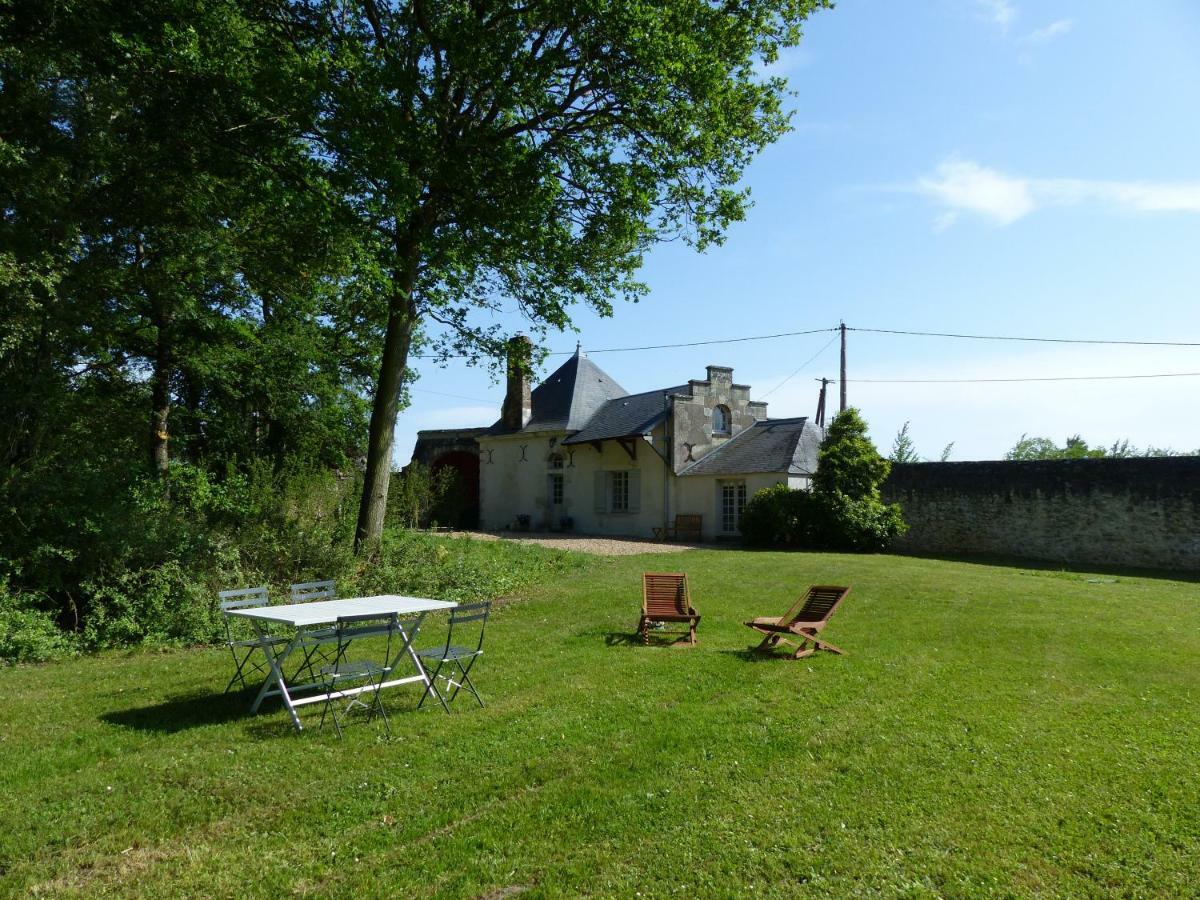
(777, 516)
(419, 497)
(866, 525)
(28, 632)
(843, 512)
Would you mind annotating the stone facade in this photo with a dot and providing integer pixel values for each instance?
(692, 414)
(1127, 512)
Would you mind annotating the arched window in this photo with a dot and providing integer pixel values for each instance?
(554, 461)
(720, 420)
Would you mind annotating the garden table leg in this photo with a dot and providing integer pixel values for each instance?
(276, 661)
(410, 635)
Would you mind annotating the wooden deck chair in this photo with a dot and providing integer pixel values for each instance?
(804, 621)
(665, 598)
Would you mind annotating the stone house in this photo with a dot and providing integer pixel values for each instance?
(579, 452)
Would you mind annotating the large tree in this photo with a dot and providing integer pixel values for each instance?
(530, 152)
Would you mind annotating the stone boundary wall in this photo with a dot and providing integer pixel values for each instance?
(1124, 512)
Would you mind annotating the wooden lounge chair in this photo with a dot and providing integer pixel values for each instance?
(665, 598)
(804, 621)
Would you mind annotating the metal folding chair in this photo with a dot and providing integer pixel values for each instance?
(351, 679)
(316, 643)
(461, 657)
(243, 642)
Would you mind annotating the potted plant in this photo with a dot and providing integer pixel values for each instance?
(523, 521)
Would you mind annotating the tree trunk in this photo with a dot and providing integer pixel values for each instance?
(396, 343)
(160, 378)
(160, 395)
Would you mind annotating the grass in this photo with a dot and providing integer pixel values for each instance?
(992, 731)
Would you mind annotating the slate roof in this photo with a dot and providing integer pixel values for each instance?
(569, 397)
(624, 416)
(773, 445)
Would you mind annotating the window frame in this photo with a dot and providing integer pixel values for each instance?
(731, 503)
(726, 417)
(618, 486)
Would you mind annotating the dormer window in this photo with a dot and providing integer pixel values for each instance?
(720, 420)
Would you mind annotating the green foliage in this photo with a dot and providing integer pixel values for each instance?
(146, 569)
(774, 516)
(28, 631)
(848, 462)
(859, 524)
(903, 448)
(843, 512)
(1028, 448)
(781, 517)
(420, 497)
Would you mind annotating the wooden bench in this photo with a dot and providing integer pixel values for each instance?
(686, 528)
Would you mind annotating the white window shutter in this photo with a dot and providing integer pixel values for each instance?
(601, 492)
(635, 491)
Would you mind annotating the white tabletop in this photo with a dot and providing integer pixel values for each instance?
(324, 612)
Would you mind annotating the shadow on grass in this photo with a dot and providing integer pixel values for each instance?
(1064, 569)
(751, 655)
(185, 711)
(622, 639)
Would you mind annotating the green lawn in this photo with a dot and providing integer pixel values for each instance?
(992, 730)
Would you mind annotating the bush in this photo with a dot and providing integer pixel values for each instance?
(28, 632)
(843, 512)
(781, 517)
(777, 516)
(866, 525)
(419, 497)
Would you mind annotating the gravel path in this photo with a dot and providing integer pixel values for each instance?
(601, 546)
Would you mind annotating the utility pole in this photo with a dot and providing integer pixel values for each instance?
(820, 418)
(842, 383)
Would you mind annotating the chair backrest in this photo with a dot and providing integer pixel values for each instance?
(689, 523)
(665, 593)
(464, 614)
(310, 591)
(817, 605)
(243, 598)
(360, 627)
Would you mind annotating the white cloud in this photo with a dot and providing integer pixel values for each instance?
(999, 12)
(963, 186)
(1050, 32)
(960, 185)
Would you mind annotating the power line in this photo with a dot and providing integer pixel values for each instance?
(1036, 340)
(995, 380)
(802, 367)
(737, 340)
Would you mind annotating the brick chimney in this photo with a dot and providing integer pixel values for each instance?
(518, 407)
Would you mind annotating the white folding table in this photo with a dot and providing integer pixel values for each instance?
(301, 616)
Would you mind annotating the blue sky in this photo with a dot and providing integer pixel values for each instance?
(981, 166)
